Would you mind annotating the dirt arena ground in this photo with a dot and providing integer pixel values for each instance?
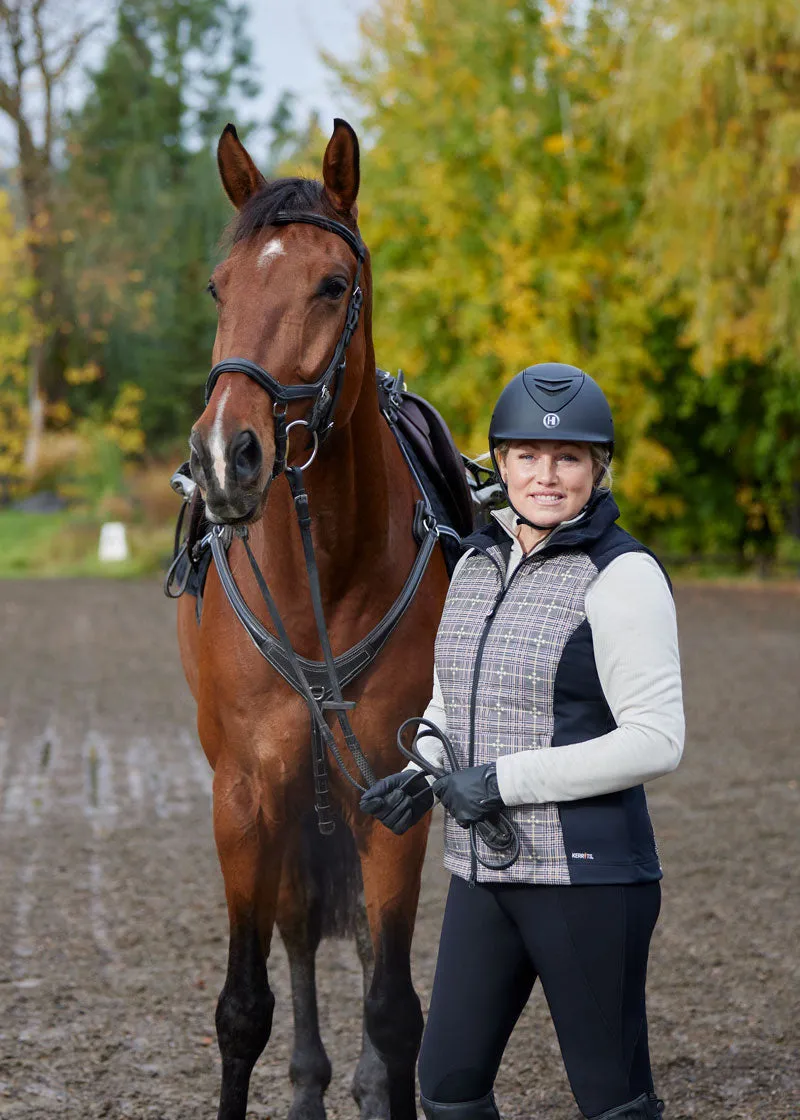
(112, 923)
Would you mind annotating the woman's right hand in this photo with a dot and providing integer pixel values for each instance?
(399, 801)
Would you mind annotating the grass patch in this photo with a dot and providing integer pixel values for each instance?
(58, 545)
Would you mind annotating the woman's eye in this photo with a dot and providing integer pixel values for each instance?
(332, 288)
(211, 288)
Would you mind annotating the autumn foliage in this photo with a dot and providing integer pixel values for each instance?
(611, 183)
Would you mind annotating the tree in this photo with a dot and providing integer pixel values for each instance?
(40, 44)
(149, 209)
(708, 94)
(17, 331)
(498, 211)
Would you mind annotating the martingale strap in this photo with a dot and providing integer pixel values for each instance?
(348, 665)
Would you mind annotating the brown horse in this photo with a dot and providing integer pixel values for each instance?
(282, 296)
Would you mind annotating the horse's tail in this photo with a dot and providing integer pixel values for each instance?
(333, 875)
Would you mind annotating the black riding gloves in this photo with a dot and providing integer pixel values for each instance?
(470, 795)
(400, 800)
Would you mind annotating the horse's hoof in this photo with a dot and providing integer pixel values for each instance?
(307, 1106)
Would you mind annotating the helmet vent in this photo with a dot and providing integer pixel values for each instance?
(553, 388)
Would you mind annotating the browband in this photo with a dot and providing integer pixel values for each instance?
(286, 217)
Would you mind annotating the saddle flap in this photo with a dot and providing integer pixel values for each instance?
(421, 425)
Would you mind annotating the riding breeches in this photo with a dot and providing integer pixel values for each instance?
(587, 944)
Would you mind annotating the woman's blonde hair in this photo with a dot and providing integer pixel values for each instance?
(601, 460)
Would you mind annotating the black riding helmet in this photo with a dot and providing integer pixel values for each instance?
(555, 402)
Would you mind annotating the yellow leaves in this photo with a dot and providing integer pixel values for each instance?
(555, 144)
(708, 104)
(83, 375)
(59, 414)
(124, 424)
(16, 337)
(144, 303)
(755, 508)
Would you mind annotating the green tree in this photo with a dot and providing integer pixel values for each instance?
(149, 206)
(708, 94)
(41, 44)
(498, 209)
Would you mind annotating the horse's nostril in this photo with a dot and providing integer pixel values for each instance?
(246, 456)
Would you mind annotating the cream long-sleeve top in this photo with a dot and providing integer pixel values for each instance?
(634, 631)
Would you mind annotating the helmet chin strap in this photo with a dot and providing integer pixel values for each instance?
(522, 520)
(547, 528)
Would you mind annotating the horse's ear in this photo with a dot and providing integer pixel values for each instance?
(340, 168)
(240, 176)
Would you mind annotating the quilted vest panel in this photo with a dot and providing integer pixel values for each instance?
(518, 650)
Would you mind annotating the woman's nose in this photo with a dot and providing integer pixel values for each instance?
(546, 469)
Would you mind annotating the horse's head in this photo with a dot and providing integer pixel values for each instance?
(287, 297)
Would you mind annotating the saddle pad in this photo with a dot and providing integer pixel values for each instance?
(424, 431)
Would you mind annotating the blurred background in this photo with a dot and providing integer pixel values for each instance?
(612, 183)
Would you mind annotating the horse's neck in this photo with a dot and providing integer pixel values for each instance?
(356, 496)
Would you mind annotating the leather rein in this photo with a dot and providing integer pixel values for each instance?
(320, 683)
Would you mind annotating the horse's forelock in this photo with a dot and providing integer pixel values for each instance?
(302, 196)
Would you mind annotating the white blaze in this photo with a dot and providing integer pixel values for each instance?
(272, 249)
(216, 444)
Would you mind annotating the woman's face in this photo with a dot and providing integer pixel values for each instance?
(548, 482)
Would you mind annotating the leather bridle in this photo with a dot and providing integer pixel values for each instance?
(326, 389)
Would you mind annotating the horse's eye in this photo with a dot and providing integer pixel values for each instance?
(212, 288)
(333, 287)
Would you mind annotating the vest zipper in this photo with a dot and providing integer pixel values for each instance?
(473, 703)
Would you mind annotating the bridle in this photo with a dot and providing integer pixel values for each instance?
(326, 389)
(318, 683)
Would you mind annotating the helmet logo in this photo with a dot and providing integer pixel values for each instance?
(551, 420)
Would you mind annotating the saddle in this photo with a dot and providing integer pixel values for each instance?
(444, 475)
(436, 462)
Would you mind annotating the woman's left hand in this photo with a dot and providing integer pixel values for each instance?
(470, 795)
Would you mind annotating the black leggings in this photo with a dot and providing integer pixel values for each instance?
(588, 945)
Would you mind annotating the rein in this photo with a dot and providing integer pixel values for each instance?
(318, 683)
(497, 831)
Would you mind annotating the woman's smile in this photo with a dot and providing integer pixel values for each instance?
(546, 499)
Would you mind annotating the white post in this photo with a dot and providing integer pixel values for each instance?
(113, 542)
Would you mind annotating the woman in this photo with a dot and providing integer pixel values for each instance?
(558, 631)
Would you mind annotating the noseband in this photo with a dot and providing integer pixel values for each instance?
(323, 391)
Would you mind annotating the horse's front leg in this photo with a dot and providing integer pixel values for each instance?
(248, 830)
(391, 868)
(370, 1082)
(300, 924)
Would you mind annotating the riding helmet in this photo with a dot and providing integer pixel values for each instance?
(552, 401)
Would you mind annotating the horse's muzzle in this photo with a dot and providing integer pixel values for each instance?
(233, 482)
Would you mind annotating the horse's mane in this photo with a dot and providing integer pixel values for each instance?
(302, 196)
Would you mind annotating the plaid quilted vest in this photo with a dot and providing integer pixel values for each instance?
(517, 671)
